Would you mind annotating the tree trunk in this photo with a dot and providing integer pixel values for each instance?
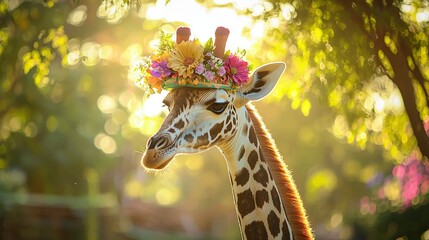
(402, 77)
(402, 72)
(405, 85)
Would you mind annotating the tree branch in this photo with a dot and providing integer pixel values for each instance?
(416, 71)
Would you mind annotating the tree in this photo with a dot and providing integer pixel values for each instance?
(54, 89)
(363, 58)
(347, 48)
(398, 45)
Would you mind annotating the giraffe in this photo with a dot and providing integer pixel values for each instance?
(266, 199)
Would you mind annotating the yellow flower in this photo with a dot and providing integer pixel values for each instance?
(185, 57)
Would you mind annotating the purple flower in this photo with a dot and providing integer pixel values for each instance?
(211, 63)
(160, 69)
(209, 75)
(199, 69)
(221, 71)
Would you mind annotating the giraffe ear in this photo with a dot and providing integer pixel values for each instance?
(262, 81)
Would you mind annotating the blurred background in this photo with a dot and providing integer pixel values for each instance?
(350, 116)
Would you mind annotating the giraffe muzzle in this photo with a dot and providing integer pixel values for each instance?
(160, 151)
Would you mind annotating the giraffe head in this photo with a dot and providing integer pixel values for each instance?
(201, 118)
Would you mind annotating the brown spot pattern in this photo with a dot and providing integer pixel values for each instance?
(240, 156)
(252, 136)
(261, 176)
(256, 231)
(261, 197)
(242, 177)
(253, 159)
(262, 155)
(202, 140)
(276, 199)
(180, 124)
(228, 127)
(215, 130)
(285, 230)
(189, 138)
(273, 223)
(245, 128)
(245, 203)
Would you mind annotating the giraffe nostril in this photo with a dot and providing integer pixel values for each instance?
(158, 142)
(149, 143)
(162, 142)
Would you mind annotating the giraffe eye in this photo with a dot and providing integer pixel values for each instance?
(217, 108)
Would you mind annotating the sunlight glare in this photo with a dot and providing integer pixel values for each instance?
(379, 104)
(407, 8)
(203, 21)
(395, 102)
(377, 124)
(340, 127)
(73, 57)
(153, 106)
(106, 104)
(90, 51)
(288, 11)
(106, 143)
(112, 12)
(422, 16)
(106, 52)
(130, 54)
(78, 16)
(258, 30)
(248, 4)
(166, 196)
(221, 2)
(147, 125)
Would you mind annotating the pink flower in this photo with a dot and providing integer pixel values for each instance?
(236, 69)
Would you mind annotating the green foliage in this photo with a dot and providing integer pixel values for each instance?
(333, 55)
(166, 43)
(209, 46)
(47, 110)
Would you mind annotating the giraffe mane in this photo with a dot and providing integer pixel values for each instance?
(282, 177)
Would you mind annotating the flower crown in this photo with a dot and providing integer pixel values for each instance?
(186, 63)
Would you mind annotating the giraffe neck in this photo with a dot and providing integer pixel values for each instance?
(262, 209)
